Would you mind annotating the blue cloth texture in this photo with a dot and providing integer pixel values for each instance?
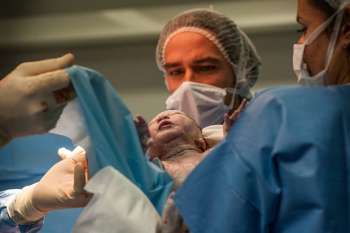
(113, 136)
(284, 167)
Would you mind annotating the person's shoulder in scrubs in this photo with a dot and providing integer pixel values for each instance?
(282, 167)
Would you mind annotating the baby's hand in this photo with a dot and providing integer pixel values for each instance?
(231, 117)
(143, 132)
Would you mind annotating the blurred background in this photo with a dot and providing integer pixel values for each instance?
(118, 38)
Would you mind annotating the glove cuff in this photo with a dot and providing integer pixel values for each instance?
(21, 209)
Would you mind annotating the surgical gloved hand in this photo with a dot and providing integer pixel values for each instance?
(33, 96)
(61, 187)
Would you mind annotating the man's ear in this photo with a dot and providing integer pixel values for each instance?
(202, 144)
(345, 29)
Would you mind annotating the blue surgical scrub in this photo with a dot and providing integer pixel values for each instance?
(284, 167)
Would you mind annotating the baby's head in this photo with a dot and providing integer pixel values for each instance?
(171, 129)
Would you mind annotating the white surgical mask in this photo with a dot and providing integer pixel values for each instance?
(299, 66)
(204, 103)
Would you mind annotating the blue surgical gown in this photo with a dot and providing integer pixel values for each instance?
(284, 167)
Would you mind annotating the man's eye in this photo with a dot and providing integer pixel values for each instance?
(175, 72)
(207, 68)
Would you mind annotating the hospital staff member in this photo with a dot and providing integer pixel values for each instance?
(29, 105)
(284, 165)
(206, 57)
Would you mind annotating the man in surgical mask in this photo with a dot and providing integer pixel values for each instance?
(209, 65)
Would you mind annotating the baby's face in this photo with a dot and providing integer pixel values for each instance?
(171, 129)
(170, 124)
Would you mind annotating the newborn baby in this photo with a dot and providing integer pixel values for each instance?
(177, 141)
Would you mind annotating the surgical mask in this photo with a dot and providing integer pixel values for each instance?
(203, 103)
(299, 66)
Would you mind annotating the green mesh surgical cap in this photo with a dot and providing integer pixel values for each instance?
(233, 43)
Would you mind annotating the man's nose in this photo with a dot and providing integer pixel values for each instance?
(189, 75)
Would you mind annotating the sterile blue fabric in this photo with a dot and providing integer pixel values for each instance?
(7, 225)
(284, 167)
(24, 161)
(113, 136)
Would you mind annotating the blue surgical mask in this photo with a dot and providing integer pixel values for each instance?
(203, 103)
(299, 66)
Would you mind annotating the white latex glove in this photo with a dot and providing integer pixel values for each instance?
(33, 96)
(61, 187)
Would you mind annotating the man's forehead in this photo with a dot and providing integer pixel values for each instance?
(197, 59)
(191, 44)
